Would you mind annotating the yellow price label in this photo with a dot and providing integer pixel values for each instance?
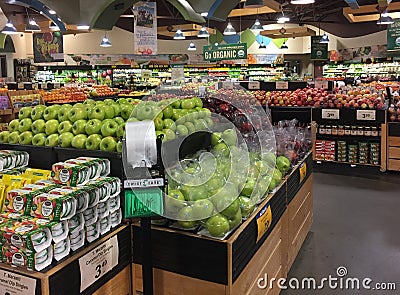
(264, 221)
(303, 171)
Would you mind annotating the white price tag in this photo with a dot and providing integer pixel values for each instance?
(20, 85)
(202, 90)
(146, 74)
(254, 85)
(282, 85)
(366, 115)
(16, 284)
(98, 262)
(330, 114)
(321, 84)
(227, 85)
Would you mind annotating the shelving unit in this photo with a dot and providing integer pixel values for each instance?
(383, 70)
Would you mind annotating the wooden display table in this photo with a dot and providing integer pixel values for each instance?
(186, 263)
(65, 277)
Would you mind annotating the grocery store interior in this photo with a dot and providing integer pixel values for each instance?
(203, 147)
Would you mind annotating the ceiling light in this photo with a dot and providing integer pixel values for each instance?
(32, 26)
(105, 42)
(284, 46)
(203, 33)
(54, 27)
(83, 27)
(283, 19)
(262, 46)
(9, 29)
(229, 30)
(179, 35)
(205, 14)
(254, 3)
(385, 19)
(302, 1)
(324, 39)
(51, 11)
(192, 47)
(257, 26)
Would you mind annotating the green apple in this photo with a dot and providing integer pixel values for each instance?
(126, 111)
(79, 141)
(262, 167)
(51, 127)
(63, 112)
(197, 102)
(236, 220)
(119, 147)
(202, 209)
(79, 105)
(108, 144)
(25, 125)
(226, 207)
(79, 127)
(174, 202)
(221, 149)
(65, 126)
(108, 112)
(206, 113)
(269, 158)
(89, 101)
(248, 187)
(25, 137)
(100, 103)
(109, 101)
(187, 104)
(218, 225)
(158, 133)
(97, 113)
(158, 113)
(109, 128)
(273, 184)
(133, 119)
(119, 120)
(169, 134)
(93, 126)
(144, 113)
(13, 138)
(178, 115)
(77, 113)
(4, 136)
(209, 122)
(181, 130)
(24, 113)
(122, 101)
(38, 126)
(169, 124)
(185, 218)
(190, 127)
(159, 124)
(52, 140)
(13, 125)
(65, 139)
(283, 164)
(176, 104)
(277, 176)
(121, 130)
(39, 139)
(216, 138)
(50, 113)
(93, 142)
(200, 125)
(168, 112)
(229, 136)
(37, 112)
(117, 109)
(246, 206)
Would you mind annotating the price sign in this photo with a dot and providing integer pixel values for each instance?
(366, 115)
(254, 85)
(98, 262)
(321, 84)
(16, 284)
(282, 85)
(303, 171)
(264, 221)
(227, 85)
(20, 85)
(330, 114)
(202, 90)
(146, 74)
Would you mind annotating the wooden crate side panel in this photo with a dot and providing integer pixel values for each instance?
(119, 285)
(394, 153)
(394, 165)
(298, 214)
(262, 258)
(168, 283)
(285, 243)
(394, 141)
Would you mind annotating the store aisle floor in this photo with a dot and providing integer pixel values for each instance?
(356, 226)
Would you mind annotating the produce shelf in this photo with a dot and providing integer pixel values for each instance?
(348, 117)
(348, 137)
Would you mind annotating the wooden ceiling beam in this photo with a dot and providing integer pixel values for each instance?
(270, 6)
(289, 33)
(368, 13)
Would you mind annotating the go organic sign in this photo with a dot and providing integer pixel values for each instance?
(225, 52)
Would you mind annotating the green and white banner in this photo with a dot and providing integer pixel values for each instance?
(393, 36)
(225, 52)
(319, 51)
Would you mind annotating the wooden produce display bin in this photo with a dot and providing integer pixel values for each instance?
(393, 146)
(66, 277)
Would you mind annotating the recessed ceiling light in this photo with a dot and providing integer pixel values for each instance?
(83, 27)
(205, 14)
(51, 11)
(302, 1)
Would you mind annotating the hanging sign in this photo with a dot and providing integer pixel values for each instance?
(393, 36)
(225, 52)
(48, 47)
(145, 28)
(319, 51)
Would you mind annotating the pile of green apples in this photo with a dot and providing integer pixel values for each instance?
(239, 182)
(92, 125)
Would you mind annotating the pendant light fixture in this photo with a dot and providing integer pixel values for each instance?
(284, 46)
(54, 27)
(254, 3)
(203, 33)
(9, 29)
(385, 19)
(262, 46)
(192, 47)
(32, 26)
(257, 27)
(179, 35)
(229, 30)
(302, 1)
(283, 19)
(324, 39)
(105, 42)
